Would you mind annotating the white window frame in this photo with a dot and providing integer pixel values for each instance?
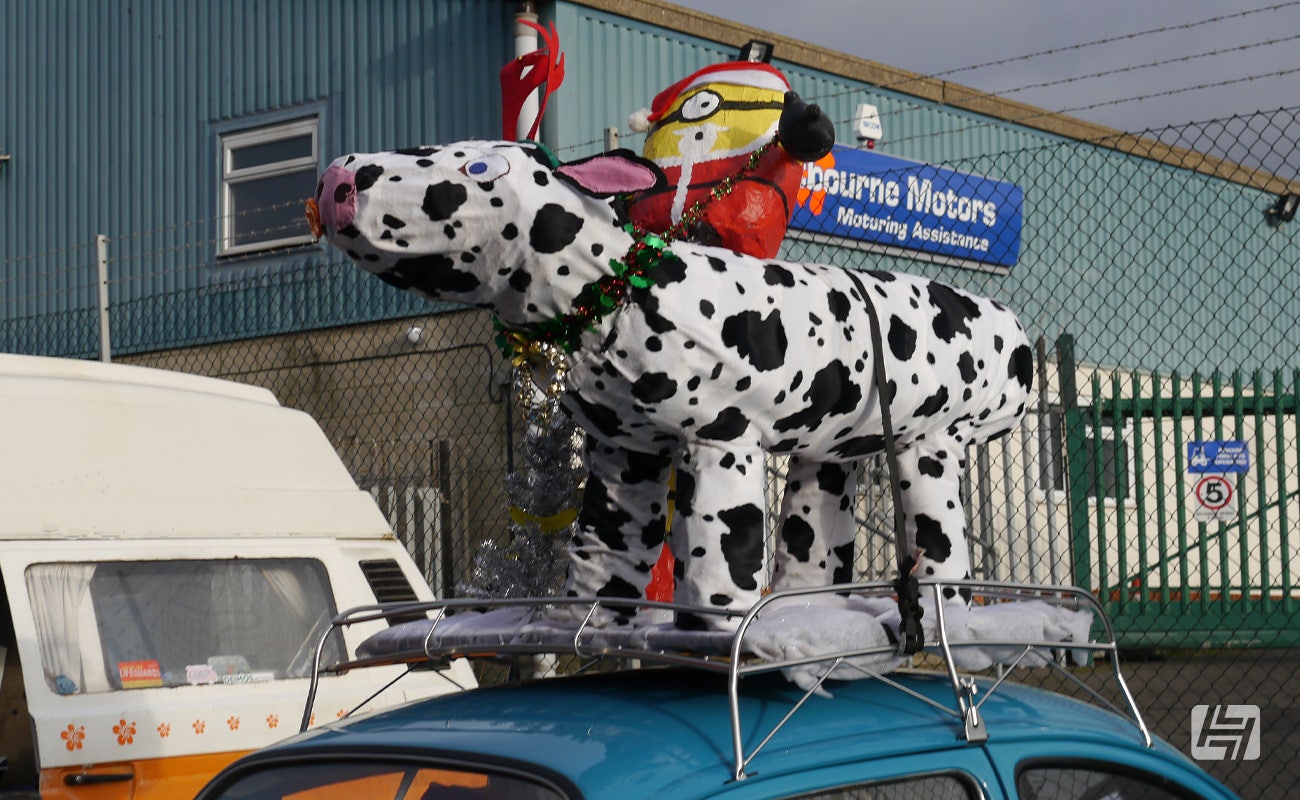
(230, 177)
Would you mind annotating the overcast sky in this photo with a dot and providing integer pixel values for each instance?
(941, 37)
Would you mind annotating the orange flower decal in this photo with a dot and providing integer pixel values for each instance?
(125, 732)
(233, 722)
(73, 737)
(200, 726)
(164, 730)
(273, 721)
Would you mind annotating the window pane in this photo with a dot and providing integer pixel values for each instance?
(1114, 466)
(1052, 464)
(268, 209)
(263, 153)
(345, 780)
(921, 787)
(126, 625)
(1070, 783)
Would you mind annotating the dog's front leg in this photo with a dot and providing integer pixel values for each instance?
(719, 530)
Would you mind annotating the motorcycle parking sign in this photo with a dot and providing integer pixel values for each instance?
(1218, 456)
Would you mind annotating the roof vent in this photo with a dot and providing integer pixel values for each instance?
(389, 584)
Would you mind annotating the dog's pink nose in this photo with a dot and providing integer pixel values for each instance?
(338, 198)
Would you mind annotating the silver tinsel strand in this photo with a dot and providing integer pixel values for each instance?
(531, 561)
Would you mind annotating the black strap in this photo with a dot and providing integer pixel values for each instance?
(911, 636)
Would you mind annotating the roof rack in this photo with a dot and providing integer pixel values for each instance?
(489, 628)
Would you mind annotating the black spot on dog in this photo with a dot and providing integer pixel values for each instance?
(932, 467)
(669, 270)
(759, 340)
(684, 493)
(832, 478)
(966, 368)
(1022, 367)
(839, 305)
(742, 544)
(831, 392)
(441, 200)
(432, 275)
(930, 535)
(520, 279)
(654, 387)
(860, 446)
(902, 339)
(644, 468)
(728, 425)
(798, 536)
(955, 311)
(777, 275)
(934, 403)
(553, 229)
(367, 175)
(601, 517)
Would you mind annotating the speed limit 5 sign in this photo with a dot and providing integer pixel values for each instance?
(1215, 498)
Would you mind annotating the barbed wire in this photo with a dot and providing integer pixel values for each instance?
(975, 94)
(331, 258)
(1098, 42)
(1101, 104)
(1124, 70)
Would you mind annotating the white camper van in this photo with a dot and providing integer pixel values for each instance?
(171, 549)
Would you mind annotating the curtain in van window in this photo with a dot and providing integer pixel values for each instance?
(65, 627)
(137, 624)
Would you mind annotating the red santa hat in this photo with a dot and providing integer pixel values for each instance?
(736, 73)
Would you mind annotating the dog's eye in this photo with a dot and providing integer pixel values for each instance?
(487, 168)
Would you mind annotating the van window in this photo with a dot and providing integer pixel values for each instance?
(105, 626)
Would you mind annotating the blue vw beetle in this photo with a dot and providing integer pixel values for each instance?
(682, 731)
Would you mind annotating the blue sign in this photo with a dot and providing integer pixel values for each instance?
(865, 196)
(1229, 455)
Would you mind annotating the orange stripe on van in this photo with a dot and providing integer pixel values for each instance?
(153, 778)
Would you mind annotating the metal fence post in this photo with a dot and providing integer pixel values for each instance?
(101, 264)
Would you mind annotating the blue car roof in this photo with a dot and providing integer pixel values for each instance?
(667, 732)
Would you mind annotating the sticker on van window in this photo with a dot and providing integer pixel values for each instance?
(229, 665)
(140, 674)
(201, 675)
(260, 676)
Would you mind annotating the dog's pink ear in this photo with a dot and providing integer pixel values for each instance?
(615, 172)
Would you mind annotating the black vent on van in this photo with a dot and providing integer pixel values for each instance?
(389, 584)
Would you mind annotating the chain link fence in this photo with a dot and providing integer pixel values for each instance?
(1162, 299)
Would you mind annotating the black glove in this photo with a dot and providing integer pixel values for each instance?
(804, 131)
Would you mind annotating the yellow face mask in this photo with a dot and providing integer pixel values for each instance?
(716, 120)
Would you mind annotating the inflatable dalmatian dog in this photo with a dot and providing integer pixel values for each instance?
(697, 356)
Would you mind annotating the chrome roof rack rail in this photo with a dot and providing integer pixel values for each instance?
(724, 652)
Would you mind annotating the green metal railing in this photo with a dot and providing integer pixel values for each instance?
(1141, 540)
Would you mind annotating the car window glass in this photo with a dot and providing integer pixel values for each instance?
(1087, 783)
(920, 787)
(111, 626)
(344, 780)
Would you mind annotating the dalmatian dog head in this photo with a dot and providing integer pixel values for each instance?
(499, 225)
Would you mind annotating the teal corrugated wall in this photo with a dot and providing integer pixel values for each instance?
(110, 111)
